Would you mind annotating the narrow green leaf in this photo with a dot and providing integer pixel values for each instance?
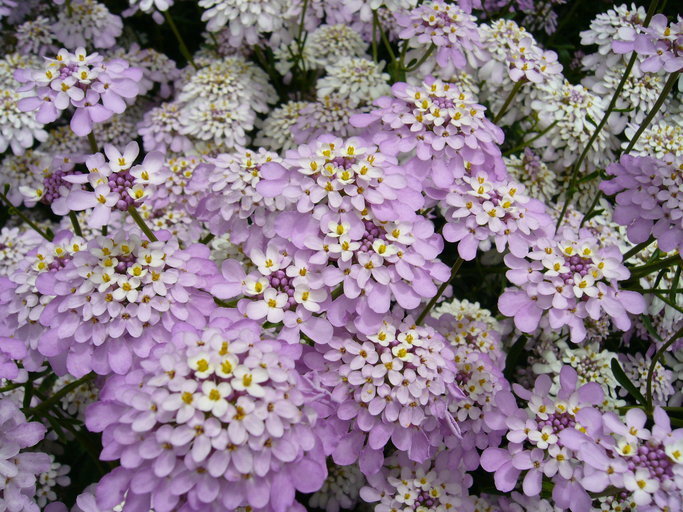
(624, 381)
(513, 357)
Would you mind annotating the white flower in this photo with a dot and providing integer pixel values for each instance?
(354, 78)
(310, 299)
(201, 364)
(213, 398)
(249, 380)
(642, 486)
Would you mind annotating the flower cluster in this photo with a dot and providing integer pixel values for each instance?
(20, 467)
(218, 411)
(660, 45)
(571, 277)
(648, 199)
(478, 210)
(444, 126)
(112, 299)
(390, 384)
(97, 89)
(225, 243)
(447, 26)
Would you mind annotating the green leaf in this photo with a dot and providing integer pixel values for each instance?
(513, 357)
(594, 213)
(590, 177)
(625, 383)
(647, 322)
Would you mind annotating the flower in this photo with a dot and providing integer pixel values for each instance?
(394, 382)
(18, 130)
(87, 23)
(15, 243)
(478, 210)
(327, 43)
(651, 468)
(231, 202)
(661, 138)
(275, 131)
(545, 438)
(331, 114)
(22, 303)
(659, 44)
(76, 400)
(97, 89)
(191, 423)
(572, 278)
(512, 51)
(247, 20)
(35, 36)
(49, 479)
(118, 297)
(161, 130)
(20, 468)
(151, 5)
(614, 25)
(591, 363)
(445, 127)
(157, 68)
(438, 485)
(637, 369)
(528, 169)
(447, 26)
(367, 233)
(647, 199)
(567, 113)
(222, 122)
(341, 489)
(116, 184)
(355, 78)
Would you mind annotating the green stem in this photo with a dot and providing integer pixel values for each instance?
(300, 41)
(384, 37)
(454, 270)
(673, 78)
(93, 143)
(644, 270)
(374, 36)
(528, 142)
(577, 165)
(141, 224)
(610, 108)
(13, 210)
(419, 63)
(637, 248)
(508, 100)
(47, 404)
(666, 301)
(183, 48)
(594, 203)
(653, 364)
(75, 224)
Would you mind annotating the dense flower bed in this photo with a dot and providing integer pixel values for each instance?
(287, 256)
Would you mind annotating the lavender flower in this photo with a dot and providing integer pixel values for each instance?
(19, 467)
(648, 202)
(97, 89)
(447, 26)
(572, 278)
(218, 411)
